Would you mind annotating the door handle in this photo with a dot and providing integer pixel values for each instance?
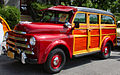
(89, 30)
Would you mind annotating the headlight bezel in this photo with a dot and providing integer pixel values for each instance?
(32, 41)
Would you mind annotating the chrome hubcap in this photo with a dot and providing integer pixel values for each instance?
(56, 61)
(106, 50)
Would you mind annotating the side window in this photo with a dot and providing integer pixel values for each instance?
(80, 18)
(93, 19)
(107, 20)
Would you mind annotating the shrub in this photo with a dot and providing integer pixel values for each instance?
(11, 15)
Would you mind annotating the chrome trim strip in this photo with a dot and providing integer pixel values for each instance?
(18, 44)
(17, 38)
(19, 32)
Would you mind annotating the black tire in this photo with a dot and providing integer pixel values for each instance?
(106, 51)
(55, 54)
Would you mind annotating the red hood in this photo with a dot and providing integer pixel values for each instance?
(41, 28)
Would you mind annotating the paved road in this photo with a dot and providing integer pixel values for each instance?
(89, 65)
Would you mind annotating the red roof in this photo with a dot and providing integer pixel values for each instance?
(62, 8)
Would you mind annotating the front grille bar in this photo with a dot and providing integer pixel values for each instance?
(18, 44)
(16, 49)
(17, 38)
(19, 32)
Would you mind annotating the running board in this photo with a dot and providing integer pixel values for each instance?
(80, 55)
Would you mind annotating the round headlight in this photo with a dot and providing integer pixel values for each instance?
(32, 41)
(6, 35)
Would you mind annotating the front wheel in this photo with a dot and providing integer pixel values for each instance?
(106, 50)
(55, 61)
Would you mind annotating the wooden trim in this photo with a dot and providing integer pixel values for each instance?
(100, 43)
(79, 55)
(108, 27)
(80, 52)
(104, 39)
(94, 49)
(80, 35)
(94, 35)
(109, 34)
(88, 26)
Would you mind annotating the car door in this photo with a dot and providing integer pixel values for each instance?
(94, 32)
(80, 33)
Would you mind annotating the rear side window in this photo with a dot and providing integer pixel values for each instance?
(80, 18)
(93, 19)
(107, 20)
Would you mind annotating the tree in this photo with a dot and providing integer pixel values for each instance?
(112, 5)
(1, 3)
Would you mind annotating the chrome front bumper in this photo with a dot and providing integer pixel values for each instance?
(20, 55)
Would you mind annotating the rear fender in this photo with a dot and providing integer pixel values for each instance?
(105, 40)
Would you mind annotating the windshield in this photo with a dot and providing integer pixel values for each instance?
(55, 17)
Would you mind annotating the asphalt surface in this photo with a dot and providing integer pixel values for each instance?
(88, 65)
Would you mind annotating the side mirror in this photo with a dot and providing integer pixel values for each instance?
(67, 25)
(76, 24)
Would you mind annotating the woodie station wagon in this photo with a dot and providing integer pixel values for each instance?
(63, 32)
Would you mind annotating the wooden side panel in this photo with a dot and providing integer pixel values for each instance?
(94, 42)
(80, 32)
(94, 32)
(108, 31)
(80, 43)
(94, 38)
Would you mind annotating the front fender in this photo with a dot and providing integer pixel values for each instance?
(56, 43)
(50, 47)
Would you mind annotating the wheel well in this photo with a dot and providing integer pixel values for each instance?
(111, 44)
(65, 49)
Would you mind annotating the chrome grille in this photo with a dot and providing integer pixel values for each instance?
(17, 41)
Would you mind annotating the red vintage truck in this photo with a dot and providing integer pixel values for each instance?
(64, 32)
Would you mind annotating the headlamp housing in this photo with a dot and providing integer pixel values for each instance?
(32, 41)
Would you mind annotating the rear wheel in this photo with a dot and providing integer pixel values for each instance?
(106, 50)
(55, 62)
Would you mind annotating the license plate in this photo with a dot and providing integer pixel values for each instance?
(10, 54)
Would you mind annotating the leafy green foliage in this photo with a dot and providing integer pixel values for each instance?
(111, 5)
(39, 6)
(108, 5)
(11, 15)
(117, 16)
